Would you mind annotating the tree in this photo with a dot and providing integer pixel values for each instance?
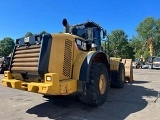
(60, 32)
(6, 46)
(119, 45)
(137, 43)
(146, 28)
(157, 37)
(150, 27)
(42, 32)
(28, 34)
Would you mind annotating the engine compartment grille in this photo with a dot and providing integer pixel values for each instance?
(25, 59)
(67, 58)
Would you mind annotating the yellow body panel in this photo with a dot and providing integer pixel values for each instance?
(8, 75)
(116, 59)
(68, 86)
(57, 55)
(114, 64)
(78, 63)
(13, 83)
(53, 87)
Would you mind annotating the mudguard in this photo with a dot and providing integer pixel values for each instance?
(83, 63)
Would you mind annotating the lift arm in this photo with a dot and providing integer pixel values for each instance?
(149, 43)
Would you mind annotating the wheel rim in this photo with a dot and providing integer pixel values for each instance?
(102, 84)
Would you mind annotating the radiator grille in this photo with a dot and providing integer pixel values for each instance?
(26, 59)
(67, 58)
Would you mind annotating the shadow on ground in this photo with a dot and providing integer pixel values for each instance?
(140, 82)
(120, 104)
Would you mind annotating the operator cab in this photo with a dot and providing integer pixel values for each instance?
(90, 31)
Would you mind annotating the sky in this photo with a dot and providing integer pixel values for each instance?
(17, 17)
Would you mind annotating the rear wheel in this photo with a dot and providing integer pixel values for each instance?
(118, 77)
(137, 66)
(97, 88)
(121, 76)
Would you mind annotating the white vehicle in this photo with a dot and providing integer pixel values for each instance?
(153, 62)
(156, 63)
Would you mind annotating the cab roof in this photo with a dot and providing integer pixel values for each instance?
(88, 24)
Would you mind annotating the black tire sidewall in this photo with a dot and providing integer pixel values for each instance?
(97, 80)
(121, 82)
(95, 97)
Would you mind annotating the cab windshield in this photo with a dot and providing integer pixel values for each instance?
(82, 32)
(156, 60)
(79, 32)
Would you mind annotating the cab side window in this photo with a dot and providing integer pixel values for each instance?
(96, 36)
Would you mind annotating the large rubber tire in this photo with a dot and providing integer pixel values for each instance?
(121, 76)
(137, 66)
(94, 95)
(118, 77)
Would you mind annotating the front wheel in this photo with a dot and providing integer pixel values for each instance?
(97, 88)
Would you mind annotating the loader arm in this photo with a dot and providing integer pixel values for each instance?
(149, 43)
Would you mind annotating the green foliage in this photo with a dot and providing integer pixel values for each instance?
(6, 46)
(137, 44)
(119, 45)
(146, 28)
(157, 37)
(28, 34)
(60, 32)
(150, 28)
(42, 32)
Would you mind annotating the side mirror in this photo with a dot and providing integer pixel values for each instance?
(104, 34)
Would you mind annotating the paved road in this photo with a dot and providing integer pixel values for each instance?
(133, 102)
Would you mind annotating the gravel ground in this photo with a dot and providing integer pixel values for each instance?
(134, 102)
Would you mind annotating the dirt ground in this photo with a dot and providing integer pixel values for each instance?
(135, 101)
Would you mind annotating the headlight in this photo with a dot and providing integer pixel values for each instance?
(5, 74)
(48, 78)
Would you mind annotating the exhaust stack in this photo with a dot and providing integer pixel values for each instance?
(66, 25)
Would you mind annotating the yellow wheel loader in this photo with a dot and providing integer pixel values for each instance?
(64, 64)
